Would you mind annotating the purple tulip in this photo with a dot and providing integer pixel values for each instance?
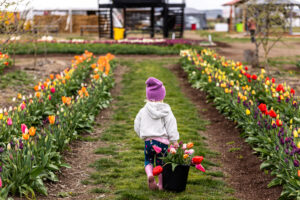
(296, 163)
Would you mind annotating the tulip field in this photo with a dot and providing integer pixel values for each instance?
(34, 133)
(266, 111)
(93, 104)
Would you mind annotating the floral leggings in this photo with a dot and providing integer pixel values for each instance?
(150, 153)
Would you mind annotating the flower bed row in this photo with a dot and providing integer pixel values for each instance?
(267, 112)
(63, 107)
(5, 61)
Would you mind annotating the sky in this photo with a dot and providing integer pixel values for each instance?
(198, 4)
(206, 4)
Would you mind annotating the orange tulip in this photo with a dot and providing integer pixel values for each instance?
(58, 76)
(96, 77)
(189, 145)
(66, 100)
(51, 119)
(185, 156)
(63, 81)
(67, 77)
(36, 88)
(38, 94)
(51, 76)
(32, 131)
(25, 136)
(94, 65)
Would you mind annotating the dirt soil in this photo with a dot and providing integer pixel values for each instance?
(241, 167)
(235, 50)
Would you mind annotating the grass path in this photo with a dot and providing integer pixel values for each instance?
(120, 170)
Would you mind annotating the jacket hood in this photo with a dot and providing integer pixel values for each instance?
(157, 110)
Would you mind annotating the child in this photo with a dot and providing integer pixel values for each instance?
(156, 125)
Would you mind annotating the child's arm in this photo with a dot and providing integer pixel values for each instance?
(171, 127)
(137, 123)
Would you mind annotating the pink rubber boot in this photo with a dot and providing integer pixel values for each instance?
(160, 182)
(151, 181)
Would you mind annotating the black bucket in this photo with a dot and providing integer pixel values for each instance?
(176, 180)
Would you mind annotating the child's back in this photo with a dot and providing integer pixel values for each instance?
(157, 126)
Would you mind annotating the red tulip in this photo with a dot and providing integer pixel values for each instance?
(280, 88)
(292, 91)
(263, 108)
(197, 159)
(273, 80)
(254, 77)
(246, 68)
(157, 170)
(272, 113)
(278, 122)
(248, 76)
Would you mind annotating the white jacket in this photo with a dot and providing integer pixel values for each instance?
(156, 119)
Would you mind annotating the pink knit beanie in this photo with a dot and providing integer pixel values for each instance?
(155, 91)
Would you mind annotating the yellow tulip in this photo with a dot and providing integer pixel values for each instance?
(298, 144)
(248, 112)
(185, 156)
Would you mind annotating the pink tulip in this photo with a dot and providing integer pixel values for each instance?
(42, 87)
(184, 146)
(0, 182)
(52, 90)
(23, 105)
(200, 167)
(172, 150)
(191, 151)
(156, 149)
(23, 128)
(9, 121)
(49, 97)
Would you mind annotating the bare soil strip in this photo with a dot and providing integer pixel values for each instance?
(237, 160)
(82, 154)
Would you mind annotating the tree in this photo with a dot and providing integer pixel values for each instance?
(271, 18)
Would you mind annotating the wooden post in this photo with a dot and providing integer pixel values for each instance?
(230, 19)
(165, 23)
(182, 22)
(124, 12)
(111, 23)
(291, 20)
(152, 31)
(244, 18)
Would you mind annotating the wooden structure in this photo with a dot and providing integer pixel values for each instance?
(172, 16)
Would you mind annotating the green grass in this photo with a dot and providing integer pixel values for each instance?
(234, 149)
(28, 48)
(15, 79)
(123, 166)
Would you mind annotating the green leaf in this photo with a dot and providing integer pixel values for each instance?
(265, 165)
(36, 172)
(174, 165)
(65, 165)
(274, 182)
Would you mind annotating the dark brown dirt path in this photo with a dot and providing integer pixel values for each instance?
(241, 166)
(82, 154)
